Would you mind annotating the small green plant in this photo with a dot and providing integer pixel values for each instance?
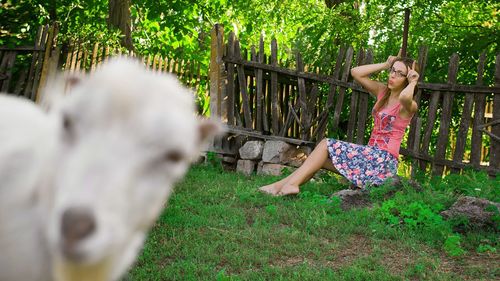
(272, 210)
(486, 248)
(415, 215)
(213, 160)
(452, 246)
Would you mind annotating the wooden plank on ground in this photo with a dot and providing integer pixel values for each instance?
(256, 134)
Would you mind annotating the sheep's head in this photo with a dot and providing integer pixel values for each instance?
(126, 136)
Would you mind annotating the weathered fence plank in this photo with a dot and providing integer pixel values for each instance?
(243, 88)
(422, 63)
(340, 98)
(495, 129)
(431, 119)
(34, 59)
(331, 94)
(363, 107)
(274, 89)
(444, 123)
(479, 106)
(259, 85)
(466, 119)
(353, 108)
(230, 80)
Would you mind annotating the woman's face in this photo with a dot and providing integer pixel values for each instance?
(397, 76)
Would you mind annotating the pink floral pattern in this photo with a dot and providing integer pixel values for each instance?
(362, 165)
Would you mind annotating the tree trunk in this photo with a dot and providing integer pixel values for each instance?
(332, 3)
(119, 17)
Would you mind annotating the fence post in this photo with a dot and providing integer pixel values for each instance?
(50, 60)
(444, 123)
(217, 72)
(495, 129)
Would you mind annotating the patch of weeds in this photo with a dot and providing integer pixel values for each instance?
(452, 246)
(470, 183)
(271, 210)
(414, 215)
(421, 269)
(483, 248)
(315, 200)
(381, 193)
(214, 160)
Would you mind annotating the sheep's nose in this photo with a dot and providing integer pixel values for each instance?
(76, 225)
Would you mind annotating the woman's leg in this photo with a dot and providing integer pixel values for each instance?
(290, 185)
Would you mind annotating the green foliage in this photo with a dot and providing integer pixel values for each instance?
(483, 248)
(416, 215)
(452, 246)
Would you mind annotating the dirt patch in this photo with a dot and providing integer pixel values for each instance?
(290, 261)
(485, 265)
(357, 246)
(398, 260)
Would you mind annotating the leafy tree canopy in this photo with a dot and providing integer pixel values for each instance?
(316, 28)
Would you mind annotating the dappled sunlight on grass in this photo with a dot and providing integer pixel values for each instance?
(217, 226)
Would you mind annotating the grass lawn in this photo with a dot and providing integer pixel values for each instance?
(218, 227)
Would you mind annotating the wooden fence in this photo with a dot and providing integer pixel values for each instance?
(257, 97)
(24, 70)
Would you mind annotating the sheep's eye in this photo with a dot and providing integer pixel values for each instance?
(173, 156)
(67, 123)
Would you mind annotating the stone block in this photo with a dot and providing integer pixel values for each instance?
(252, 150)
(272, 169)
(245, 166)
(274, 151)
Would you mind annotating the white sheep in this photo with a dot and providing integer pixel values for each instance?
(81, 186)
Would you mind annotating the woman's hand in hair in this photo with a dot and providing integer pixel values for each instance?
(390, 61)
(412, 74)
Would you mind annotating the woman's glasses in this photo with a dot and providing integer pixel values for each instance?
(398, 73)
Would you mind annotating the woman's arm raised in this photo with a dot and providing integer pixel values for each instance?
(409, 106)
(362, 75)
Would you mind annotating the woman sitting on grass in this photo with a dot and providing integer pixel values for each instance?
(372, 164)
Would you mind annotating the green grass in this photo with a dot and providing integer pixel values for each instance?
(218, 227)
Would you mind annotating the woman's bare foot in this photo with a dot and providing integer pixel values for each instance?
(288, 189)
(272, 188)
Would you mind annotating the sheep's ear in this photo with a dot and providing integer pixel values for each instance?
(209, 128)
(70, 82)
(57, 87)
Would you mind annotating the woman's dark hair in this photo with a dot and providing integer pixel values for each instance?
(408, 62)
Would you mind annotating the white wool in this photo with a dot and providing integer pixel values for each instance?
(115, 146)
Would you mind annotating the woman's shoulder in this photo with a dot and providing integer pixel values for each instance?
(381, 93)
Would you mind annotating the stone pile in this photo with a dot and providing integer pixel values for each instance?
(270, 157)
